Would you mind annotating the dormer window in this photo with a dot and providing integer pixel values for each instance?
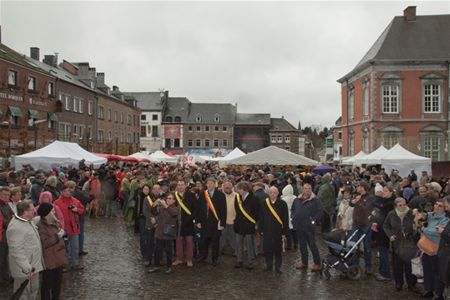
(216, 118)
(169, 119)
(177, 119)
(198, 118)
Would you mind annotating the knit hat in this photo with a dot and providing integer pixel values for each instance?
(44, 209)
(378, 188)
(407, 193)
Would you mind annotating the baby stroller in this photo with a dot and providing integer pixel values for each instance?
(344, 254)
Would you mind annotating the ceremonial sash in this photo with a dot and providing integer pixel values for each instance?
(180, 202)
(211, 205)
(274, 213)
(150, 201)
(243, 210)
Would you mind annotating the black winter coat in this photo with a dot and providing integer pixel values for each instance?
(403, 231)
(242, 225)
(383, 210)
(206, 217)
(187, 221)
(271, 228)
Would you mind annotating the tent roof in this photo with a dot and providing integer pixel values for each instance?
(374, 157)
(352, 160)
(399, 153)
(58, 153)
(160, 156)
(140, 155)
(274, 156)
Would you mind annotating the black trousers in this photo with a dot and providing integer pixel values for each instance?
(269, 260)
(51, 284)
(402, 270)
(161, 247)
(214, 241)
(4, 267)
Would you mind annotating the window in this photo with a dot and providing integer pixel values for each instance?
(116, 116)
(155, 117)
(143, 117)
(176, 143)
(64, 131)
(206, 143)
(198, 143)
(216, 143)
(432, 98)
(273, 139)
(366, 100)
(389, 140)
(225, 143)
(287, 139)
(129, 140)
(155, 131)
(190, 128)
(216, 128)
(67, 102)
(198, 118)
(134, 120)
(31, 83)
(122, 118)
(129, 119)
(351, 105)
(101, 136)
(216, 118)
(390, 99)
(339, 135)
(81, 106)
(206, 128)
(177, 119)
(189, 143)
(280, 139)
(199, 128)
(431, 147)
(224, 128)
(12, 78)
(288, 148)
(90, 107)
(81, 132)
(101, 112)
(167, 143)
(143, 131)
(366, 144)
(169, 119)
(110, 136)
(51, 89)
(75, 104)
(109, 114)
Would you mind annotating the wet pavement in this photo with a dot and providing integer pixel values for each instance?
(114, 270)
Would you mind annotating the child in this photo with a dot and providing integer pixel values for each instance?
(345, 212)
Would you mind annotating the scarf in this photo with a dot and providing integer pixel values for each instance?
(401, 214)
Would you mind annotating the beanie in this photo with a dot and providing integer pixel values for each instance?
(44, 209)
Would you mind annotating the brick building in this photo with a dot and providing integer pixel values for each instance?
(399, 91)
(27, 104)
(251, 131)
(284, 135)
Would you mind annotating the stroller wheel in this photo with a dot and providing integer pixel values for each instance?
(354, 272)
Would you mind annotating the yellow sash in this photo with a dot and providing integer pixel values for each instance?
(243, 210)
(274, 213)
(180, 202)
(211, 205)
(150, 201)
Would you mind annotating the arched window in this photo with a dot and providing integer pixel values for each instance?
(169, 119)
(177, 119)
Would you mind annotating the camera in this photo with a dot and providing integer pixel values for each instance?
(71, 206)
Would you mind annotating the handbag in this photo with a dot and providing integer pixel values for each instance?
(427, 246)
(170, 230)
(407, 250)
(416, 266)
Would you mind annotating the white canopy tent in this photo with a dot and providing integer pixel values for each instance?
(273, 156)
(398, 158)
(352, 160)
(373, 158)
(232, 155)
(56, 154)
(140, 155)
(160, 156)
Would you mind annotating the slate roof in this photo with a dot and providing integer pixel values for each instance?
(426, 39)
(208, 111)
(177, 107)
(252, 119)
(9, 54)
(281, 124)
(147, 101)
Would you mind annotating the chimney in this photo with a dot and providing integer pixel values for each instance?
(410, 14)
(50, 60)
(115, 88)
(34, 53)
(101, 79)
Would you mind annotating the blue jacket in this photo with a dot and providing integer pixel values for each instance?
(306, 214)
(433, 221)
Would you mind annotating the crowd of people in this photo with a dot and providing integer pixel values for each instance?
(184, 214)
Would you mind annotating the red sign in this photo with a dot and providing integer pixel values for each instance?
(172, 131)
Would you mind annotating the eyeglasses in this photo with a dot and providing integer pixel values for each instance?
(439, 205)
(401, 204)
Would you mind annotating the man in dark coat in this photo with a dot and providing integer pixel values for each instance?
(246, 207)
(273, 224)
(7, 215)
(444, 251)
(184, 244)
(261, 195)
(211, 219)
(37, 187)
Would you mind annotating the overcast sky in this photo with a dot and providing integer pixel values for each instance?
(269, 57)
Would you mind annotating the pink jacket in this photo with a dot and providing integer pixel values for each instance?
(58, 211)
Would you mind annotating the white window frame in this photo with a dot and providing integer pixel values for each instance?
(351, 104)
(225, 143)
(198, 118)
(434, 99)
(90, 107)
(217, 118)
(431, 147)
(81, 105)
(67, 102)
(287, 139)
(366, 144)
(351, 145)
(390, 139)
(12, 77)
(365, 100)
(75, 104)
(50, 89)
(273, 139)
(388, 98)
(100, 135)
(280, 139)
(31, 83)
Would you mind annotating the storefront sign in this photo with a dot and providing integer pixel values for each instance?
(5, 96)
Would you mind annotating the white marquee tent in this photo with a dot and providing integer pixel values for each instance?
(352, 160)
(373, 158)
(56, 154)
(140, 155)
(398, 158)
(160, 156)
(273, 156)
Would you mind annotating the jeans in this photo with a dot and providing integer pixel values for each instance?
(109, 209)
(81, 237)
(163, 246)
(431, 275)
(228, 238)
(384, 268)
(147, 240)
(185, 248)
(367, 242)
(73, 250)
(307, 239)
(51, 284)
(245, 241)
(292, 240)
